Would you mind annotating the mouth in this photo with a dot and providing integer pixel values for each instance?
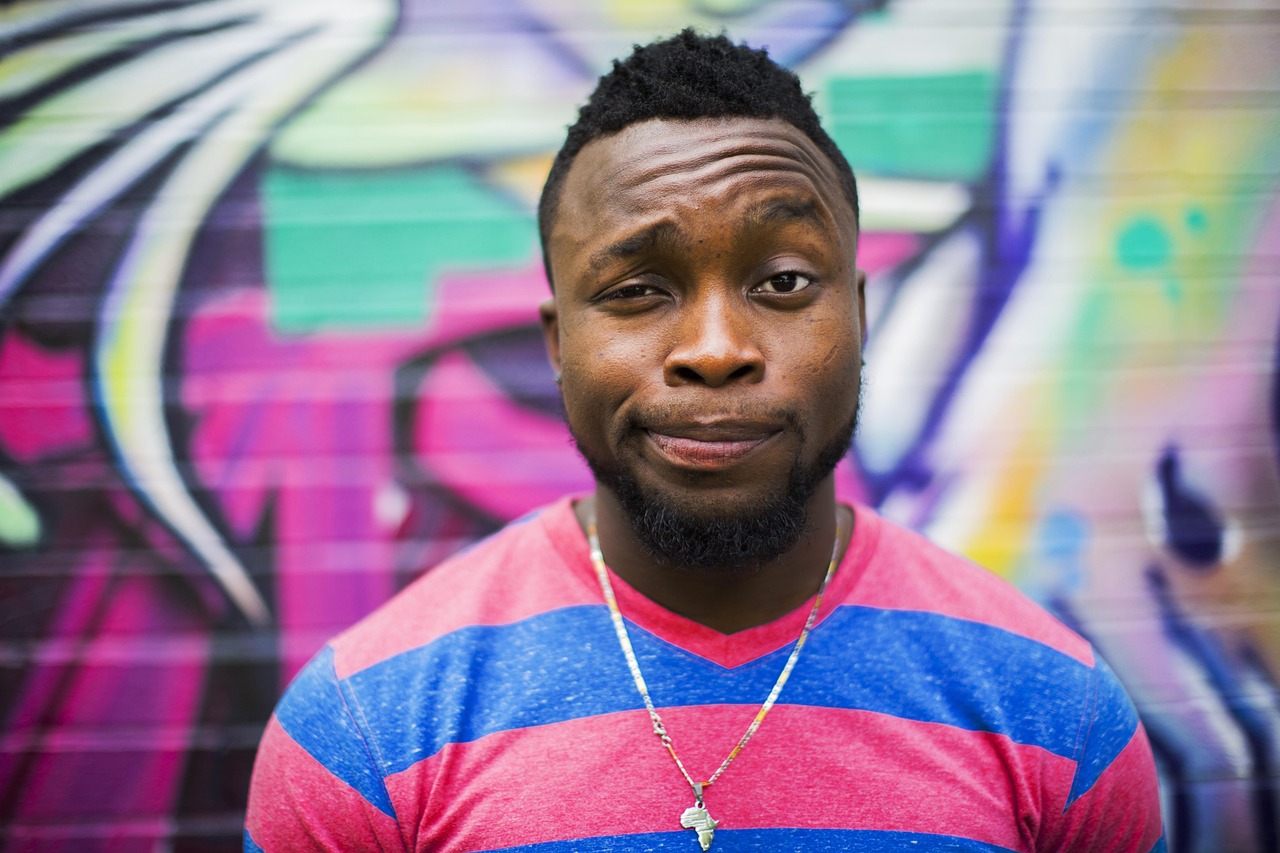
(708, 447)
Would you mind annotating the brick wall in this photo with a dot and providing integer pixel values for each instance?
(268, 350)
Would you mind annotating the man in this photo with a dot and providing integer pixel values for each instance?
(709, 652)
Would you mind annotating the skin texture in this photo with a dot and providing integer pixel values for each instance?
(707, 324)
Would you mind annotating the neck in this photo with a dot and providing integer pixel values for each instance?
(727, 601)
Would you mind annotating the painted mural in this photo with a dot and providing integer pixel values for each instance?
(268, 349)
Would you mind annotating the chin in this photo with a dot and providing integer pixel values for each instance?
(702, 526)
(704, 529)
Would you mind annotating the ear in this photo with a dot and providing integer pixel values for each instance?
(860, 281)
(551, 332)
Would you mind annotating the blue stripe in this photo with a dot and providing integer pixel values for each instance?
(566, 664)
(936, 669)
(773, 840)
(315, 713)
(1159, 846)
(251, 846)
(1113, 723)
(484, 679)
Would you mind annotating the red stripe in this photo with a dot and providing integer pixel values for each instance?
(609, 775)
(543, 565)
(296, 804)
(941, 582)
(510, 582)
(885, 566)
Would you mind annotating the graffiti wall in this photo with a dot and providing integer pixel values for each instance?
(268, 349)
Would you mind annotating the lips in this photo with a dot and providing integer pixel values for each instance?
(708, 447)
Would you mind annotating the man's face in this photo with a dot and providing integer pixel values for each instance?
(707, 317)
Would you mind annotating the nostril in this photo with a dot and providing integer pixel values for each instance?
(715, 367)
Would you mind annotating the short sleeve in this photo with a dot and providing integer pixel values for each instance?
(1113, 804)
(317, 784)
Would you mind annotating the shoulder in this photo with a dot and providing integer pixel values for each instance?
(902, 570)
(954, 645)
(529, 567)
(972, 647)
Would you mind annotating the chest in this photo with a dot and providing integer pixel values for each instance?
(565, 758)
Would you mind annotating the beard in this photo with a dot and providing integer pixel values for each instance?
(724, 541)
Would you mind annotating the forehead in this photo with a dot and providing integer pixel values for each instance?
(642, 173)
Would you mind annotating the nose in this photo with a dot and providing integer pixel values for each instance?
(715, 345)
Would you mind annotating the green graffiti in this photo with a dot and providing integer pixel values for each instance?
(1197, 220)
(19, 523)
(1144, 244)
(351, 250)
(934, 127)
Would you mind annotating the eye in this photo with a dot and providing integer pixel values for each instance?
(632, 291)
(784, 282)
(635, 296)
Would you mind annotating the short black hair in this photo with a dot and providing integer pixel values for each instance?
(688, 76)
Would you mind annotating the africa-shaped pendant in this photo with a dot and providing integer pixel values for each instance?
(698, 819)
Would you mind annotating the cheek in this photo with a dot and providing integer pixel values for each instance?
(593, 382)
(604, 365)
(827, 372)
(825, 347)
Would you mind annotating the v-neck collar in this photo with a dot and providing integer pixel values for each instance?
(727, 650)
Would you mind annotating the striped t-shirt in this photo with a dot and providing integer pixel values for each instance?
(489, 707)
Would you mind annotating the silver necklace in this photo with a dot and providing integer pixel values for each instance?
(696, 817)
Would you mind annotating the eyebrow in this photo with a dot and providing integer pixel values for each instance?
(782, 211)
(668, 234)
(658, 234)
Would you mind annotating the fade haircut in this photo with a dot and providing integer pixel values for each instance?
(688, 76)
